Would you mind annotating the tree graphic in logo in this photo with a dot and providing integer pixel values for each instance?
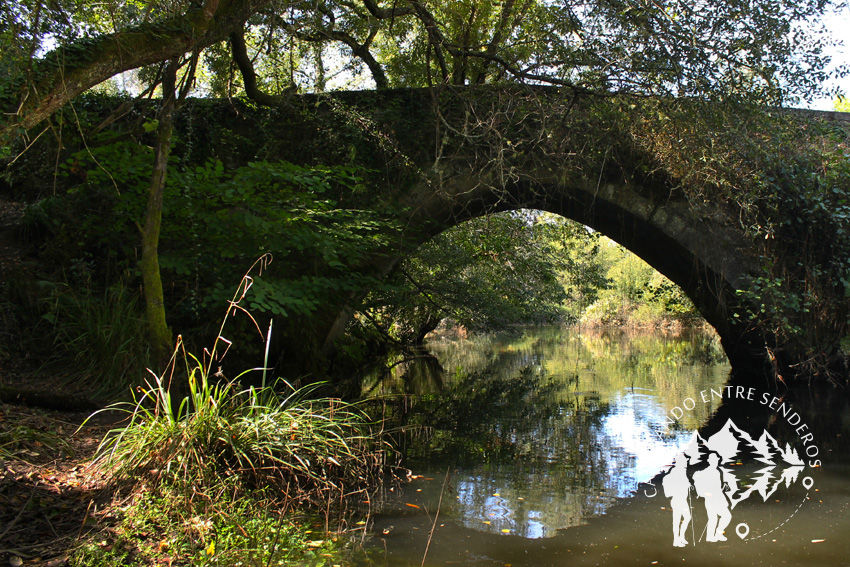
(703, 470)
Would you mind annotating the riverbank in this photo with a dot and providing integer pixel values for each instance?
(58, 508)
(221, 475)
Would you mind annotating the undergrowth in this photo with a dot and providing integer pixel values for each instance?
(222, 459)
(99, 338)
(160, 528)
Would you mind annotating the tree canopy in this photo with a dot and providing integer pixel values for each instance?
(770, 51)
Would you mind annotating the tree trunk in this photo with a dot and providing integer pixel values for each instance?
(72, 69)
(159, 335)
(426, 327)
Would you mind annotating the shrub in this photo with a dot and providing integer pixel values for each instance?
(311, 448)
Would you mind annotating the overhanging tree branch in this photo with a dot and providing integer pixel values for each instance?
(435, 37)
(246, 68)
(384, 13)
(360, 50)
(72, 69)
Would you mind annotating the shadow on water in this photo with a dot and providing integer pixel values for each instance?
(539, 449)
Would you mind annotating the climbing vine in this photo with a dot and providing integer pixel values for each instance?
(784, 178)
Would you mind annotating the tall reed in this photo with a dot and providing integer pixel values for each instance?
(307, 447)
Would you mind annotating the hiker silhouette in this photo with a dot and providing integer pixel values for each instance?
(709, 484)
(677, 487)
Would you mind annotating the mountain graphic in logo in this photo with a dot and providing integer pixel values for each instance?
(724, 470)
(736, 446)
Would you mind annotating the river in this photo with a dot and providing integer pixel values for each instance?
(556, 447)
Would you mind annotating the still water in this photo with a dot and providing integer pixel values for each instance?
(551, 447)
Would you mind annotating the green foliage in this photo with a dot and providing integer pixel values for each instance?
(637, 295)
(490, 273)
(636, 47)
(842, 104)
(310, 449)
(99, 339)
(213, 221)
(165, 527)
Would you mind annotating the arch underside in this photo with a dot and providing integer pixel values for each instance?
(700, 253)
(447, 155)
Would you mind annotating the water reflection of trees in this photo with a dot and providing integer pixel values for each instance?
(673, 367)
(518, 435)
(526, 420)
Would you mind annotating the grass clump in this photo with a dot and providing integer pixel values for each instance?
(221, 459)
(99, 338)
(310, 448)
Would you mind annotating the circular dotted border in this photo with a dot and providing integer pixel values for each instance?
(805, 499)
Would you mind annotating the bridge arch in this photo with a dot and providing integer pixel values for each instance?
(672, 237)
(444, 155)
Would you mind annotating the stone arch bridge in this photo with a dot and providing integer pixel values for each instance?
(445, 156)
